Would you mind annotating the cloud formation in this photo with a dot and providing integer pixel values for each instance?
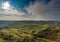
(35, 10)
(41, 10)
(10, 11)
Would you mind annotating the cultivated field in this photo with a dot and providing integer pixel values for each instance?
(30, 32)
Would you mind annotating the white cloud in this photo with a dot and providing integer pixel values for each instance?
(12, 12)
(7, 9)
(18, 18)
(41, 10)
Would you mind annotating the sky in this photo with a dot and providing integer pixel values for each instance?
(30, 10)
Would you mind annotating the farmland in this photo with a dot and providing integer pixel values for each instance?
(28, 31)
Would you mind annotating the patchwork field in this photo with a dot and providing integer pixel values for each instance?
(38, 31)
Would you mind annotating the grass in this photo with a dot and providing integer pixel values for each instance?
(35, 32)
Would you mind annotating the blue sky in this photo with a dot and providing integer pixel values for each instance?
(30, 10)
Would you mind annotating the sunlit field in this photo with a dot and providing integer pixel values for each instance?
(30, 32)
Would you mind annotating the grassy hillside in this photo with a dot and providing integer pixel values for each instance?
(30, 32)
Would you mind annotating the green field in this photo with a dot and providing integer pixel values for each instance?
(30, 32)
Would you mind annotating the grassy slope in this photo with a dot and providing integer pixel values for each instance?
(35, 32)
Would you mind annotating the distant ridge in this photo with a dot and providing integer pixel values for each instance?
(23, 21)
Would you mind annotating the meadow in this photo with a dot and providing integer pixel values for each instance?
(39, 31)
